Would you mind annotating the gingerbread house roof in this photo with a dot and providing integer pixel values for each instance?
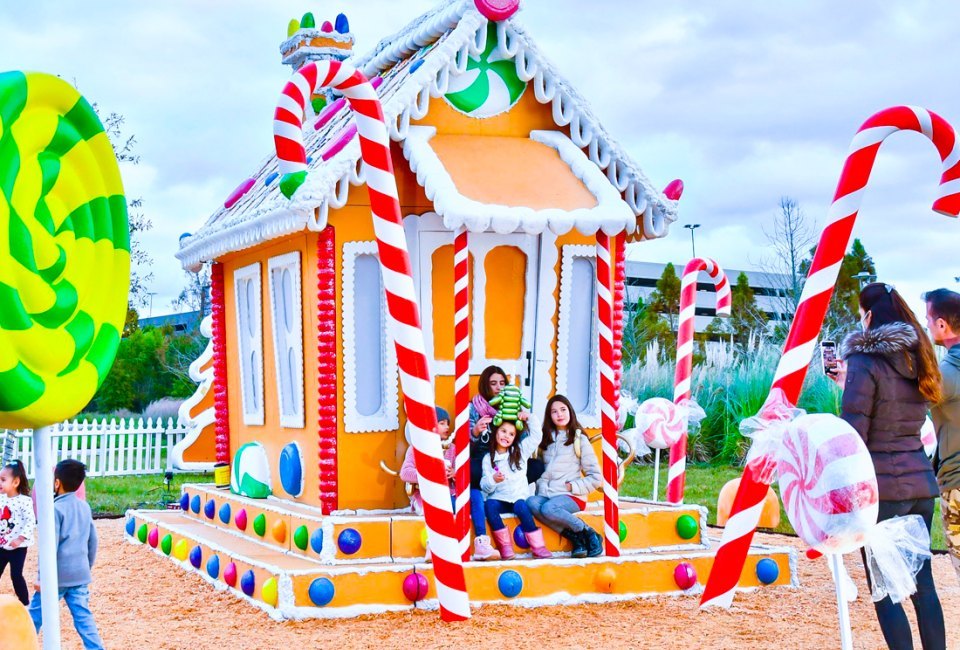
(415, 65)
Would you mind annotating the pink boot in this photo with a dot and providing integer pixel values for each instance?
(504, 543)
(537, 545)
(482, 550)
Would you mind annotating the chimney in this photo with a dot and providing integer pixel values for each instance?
(306, 43)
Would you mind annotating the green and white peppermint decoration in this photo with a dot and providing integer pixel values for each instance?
(489, 86)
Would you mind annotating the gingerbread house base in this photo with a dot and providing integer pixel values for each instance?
(294, 562)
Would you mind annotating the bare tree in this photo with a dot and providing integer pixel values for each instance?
(789, 239)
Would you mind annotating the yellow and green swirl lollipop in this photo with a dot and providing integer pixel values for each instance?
(64, 251)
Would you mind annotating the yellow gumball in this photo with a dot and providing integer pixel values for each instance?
(181, 549)
(605, 580)
(269, 592)
(424, 542)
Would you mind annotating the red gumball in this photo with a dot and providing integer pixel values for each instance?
(415, 587)
(685, 575)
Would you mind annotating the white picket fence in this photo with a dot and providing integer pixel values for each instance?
(114, 448)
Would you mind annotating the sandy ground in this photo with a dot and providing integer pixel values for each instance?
(141, 601)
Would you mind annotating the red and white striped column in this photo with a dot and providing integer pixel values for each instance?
(608, 415)
(328, 384)
(814, 301)
(461, 386)
(403, 316)
(677, 474)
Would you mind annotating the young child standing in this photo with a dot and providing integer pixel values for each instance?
(505, 485)
(571, 473)
(17, 525)
(408, 471)
(76, 552)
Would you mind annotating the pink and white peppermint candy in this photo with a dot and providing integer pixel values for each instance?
(928, 436)
(661, 421)
(827, 483)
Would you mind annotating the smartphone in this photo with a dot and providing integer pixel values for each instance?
(828, 353)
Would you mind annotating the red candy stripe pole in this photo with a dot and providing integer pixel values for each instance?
(608, 416)
(403, 322)
(799, 347)
(461, 335)
(677, 474)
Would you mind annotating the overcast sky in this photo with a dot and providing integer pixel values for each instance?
(745, 101)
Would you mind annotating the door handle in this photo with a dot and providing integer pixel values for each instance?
(526, 381)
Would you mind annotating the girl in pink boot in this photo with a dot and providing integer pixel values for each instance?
(505, 486)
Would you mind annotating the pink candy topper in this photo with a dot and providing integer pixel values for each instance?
(497, 10)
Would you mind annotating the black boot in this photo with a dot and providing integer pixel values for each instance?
(578, 541)
(593, 542)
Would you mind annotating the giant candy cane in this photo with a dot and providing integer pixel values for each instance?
(608, 415)
(681, 383)
(461, 387)
(815, 299)
(403, 322)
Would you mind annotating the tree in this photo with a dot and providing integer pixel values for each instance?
(665, 299)
(789, 236)
(844, 311)
(746, 317)
(653, 320)
(195, 296)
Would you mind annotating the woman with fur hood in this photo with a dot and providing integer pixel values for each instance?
(889, 377)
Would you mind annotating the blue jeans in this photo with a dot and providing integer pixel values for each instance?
(494, 507)
(78, 602)
(557, 512)
(476, 513)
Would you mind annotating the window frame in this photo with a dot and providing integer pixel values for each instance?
(284, 342)
(590, 417)
(252, 272)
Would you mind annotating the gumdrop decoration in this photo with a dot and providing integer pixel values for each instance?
(166, 544)
(316, 540)
(510, 583)
(269, 592)
(520, 539)
(301, 537)
(195, 504)
(230, 575)
(196, 556)
(308, 21)
(210, 508)
(213, 567)
(349, 541)
(225, 513)
(248, 582)
(241, 519)
(291, 469)
(321, 592)
(341, 24)
(260, 524)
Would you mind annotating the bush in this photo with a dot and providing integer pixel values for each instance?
(167, 407)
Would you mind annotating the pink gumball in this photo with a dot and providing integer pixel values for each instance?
(685, 575)
(661, 422)
(153, 537)
(827, 483)
(415, 587)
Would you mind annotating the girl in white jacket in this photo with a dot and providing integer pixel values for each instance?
(571, 474)
(504, 483)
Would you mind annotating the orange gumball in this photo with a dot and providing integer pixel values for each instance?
(769, 516)
(279, 531)
(605, 579)
(18, 632)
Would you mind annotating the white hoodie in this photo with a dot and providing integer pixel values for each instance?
(514, 486)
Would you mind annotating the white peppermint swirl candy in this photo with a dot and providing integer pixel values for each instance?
(661, 421)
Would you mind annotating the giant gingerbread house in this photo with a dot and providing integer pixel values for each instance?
(299, 389)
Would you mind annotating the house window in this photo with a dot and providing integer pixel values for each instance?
(369, 357)
(247, 288)
(578, 376)
(287, 309)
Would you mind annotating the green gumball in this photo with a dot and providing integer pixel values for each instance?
(166, 544)
(142, 533)
(300, 537)
(687, 527)
(623, 530)
(260, 525)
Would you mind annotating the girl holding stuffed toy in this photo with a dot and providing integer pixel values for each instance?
(16, 525)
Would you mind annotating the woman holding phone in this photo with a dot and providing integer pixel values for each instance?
(889, 376)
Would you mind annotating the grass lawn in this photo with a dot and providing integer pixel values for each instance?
(114, 495)
(703, 487)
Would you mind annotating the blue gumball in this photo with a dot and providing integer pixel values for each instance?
(767, 571)
(196, 556)
(510, 583)
(184, 501)
(316, 540)
(195, 504)
(209, 508)
(225, 513)
(349, 541)
(291, 469)
(341, 24)
(248, 582)
(416, 65)
(213, 567)
(321, 591)
(131, 526)
(519, 538)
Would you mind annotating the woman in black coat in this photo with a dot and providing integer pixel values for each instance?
(889, 377)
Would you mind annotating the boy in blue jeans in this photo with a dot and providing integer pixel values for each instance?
(76, 552)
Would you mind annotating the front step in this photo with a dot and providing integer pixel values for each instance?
(289, 585)
(346, 537)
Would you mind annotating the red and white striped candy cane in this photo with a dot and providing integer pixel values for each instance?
(807, 322)
(677, 474)
(461, 386)
(403, 321)
(608, 415)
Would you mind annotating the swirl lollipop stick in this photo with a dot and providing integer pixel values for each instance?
(814, 301)
(64, 275)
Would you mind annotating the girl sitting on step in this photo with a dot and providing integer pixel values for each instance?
(504, 484)
(571, 474)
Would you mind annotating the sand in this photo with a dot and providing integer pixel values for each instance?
(142, 601)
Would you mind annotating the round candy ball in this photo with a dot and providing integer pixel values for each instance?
(260, 524)
(142, 533)
(248, 582)
(230, 575)
(301, 537)
(279, 531)
(685, 575)
(210, 508)
(291, 469)
(510, 583)
(349, 541)
(605, 579)
(415, 587)
(131, 526)
(184, 501)
(241, 519)
(153, 537)
(196, 556)
(424, 538)
(180, 550)
(321, 591)
(225, 513)
(767, 571)
(195, 504)
(623, 530)
(166, 544)
(213, 567)
(519, 538)
(316, 540)
(269, 592)
(687, 527)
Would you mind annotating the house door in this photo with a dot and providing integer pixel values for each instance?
(503, 306)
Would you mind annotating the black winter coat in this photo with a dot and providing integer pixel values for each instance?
(883, 402)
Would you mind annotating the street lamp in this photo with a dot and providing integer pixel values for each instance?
(864, 278)
(151, 294)
(692, 227)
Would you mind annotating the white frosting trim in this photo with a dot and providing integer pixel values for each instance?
(589, 417)
(205, 418)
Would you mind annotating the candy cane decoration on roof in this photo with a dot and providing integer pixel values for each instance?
(677, 474)
(461, 390)
(608, 416)
(814, 301)
(403, 321)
